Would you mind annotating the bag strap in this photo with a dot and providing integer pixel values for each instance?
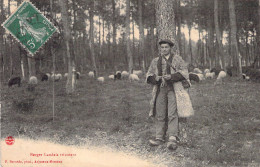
(171, 66)
(169, 63)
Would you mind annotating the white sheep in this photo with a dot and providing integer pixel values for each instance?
(48, 75)
(56, 77)
(33, 80)
(125, 74)
(206, 71)
(65, 75)
(133, 77)
(210, 75)
(137, 72)
(101, 79)
(91, 74)
(201, 77)
(59, 76)
(245, 77)
(197, 70)
(111, 76)
(221, 75)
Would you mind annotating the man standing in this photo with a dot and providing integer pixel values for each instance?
(163, 73)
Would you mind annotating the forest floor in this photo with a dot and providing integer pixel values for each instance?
(225, 130)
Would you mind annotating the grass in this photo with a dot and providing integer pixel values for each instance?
(225, 130)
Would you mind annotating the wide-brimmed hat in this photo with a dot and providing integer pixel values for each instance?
(163, 41)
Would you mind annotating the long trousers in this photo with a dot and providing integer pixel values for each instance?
(166, 113)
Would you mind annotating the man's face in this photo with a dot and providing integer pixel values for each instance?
(165, 49)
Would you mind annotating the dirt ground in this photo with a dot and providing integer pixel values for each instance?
(225, 130)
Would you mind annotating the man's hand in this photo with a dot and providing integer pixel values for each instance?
(157, 78)
(167, 77)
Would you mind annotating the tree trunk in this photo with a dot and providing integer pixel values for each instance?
(99, 37)
(2, 42)
(103, 36)
(247, 51)
(152, 42)
(114, 34)
(218, 35)
(91, 38)
(128, 45)
(190, 45)
(22, 56)
(110, 63)
(141, 34)
(234, 44)
(205, 55)
(165, 23)
(133, 30)
(257, 64)
(70, 86)
(210, 40)
(179, 27)
(199, 47)
(11, 45)
(31, 65)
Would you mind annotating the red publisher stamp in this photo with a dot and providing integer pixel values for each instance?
(9, 140)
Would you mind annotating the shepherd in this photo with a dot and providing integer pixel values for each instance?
(169, 76)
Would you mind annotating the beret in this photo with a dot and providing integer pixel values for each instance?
(163, 41)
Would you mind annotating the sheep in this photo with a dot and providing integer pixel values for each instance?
(206, 71)
(194, 77)
(56, 77)
(125, 74)
(197, 70)
(210, 75)
(33, 80)
(77, 75)
(216, 70)
(111, 76)
(245, 77)
(65, 75)
(221, 75)
(13, 81)
(133, 77)
(91, 74)
(48, 75)
(101, 79)
(118, 75)
(59, 76)
(45, 77)
(201, 77)
(137, 72)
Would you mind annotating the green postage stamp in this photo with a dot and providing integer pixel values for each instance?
(30, 27)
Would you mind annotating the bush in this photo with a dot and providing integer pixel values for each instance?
(23, 101)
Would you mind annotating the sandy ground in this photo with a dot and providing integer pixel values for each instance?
(29, 153)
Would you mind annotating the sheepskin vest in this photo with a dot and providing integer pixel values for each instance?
(180, 66)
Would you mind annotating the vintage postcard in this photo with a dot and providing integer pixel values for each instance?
(130, 83)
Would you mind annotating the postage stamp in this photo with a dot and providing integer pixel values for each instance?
(29, 26)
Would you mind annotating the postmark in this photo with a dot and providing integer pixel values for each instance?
(29, 26)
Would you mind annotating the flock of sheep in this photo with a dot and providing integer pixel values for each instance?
(196, 75)
(44, 77)
(119, 75)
